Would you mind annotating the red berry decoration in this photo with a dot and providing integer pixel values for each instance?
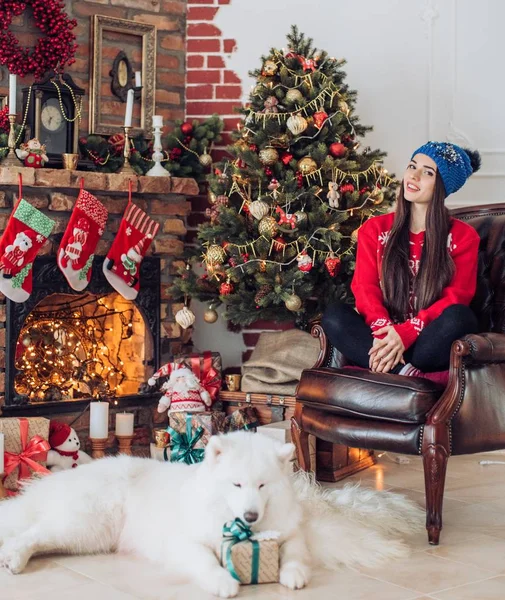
(286, 158)
(187, 128)
(332, 264)
(4, 119)
(319, 118)
(337, 149)
(53, 51)
(226, 288)
(268, 172)
(253, 147)
(347, 187)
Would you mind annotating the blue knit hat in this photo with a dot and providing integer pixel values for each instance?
(455, 164)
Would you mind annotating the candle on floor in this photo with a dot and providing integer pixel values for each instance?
(124, 423)
(157, 121)
(2, 453)
(129, 109)
(12, 94)
(99, 420)
(138, 80)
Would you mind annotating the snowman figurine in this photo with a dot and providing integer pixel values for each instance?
(65, 450)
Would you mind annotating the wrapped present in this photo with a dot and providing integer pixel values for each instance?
(190, 433)
(250, 558)
(26, 446)
(207, 367)
(281, 431)
(242, 419)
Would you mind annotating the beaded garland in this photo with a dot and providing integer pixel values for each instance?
(54, 50)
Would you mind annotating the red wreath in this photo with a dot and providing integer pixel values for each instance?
(56, 49)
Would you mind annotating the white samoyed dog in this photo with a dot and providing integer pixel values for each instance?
(173, 514)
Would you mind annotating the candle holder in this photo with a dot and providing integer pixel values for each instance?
(157, 170)
(3, 492)
(125, 444)
(98, 447)
(11, 160)
(127, 168)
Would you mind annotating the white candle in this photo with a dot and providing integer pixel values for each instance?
(129, 109)
(124, 424)
(12, 94)
(1, 453)
(99, 420)
(157, 121)
(138, 79)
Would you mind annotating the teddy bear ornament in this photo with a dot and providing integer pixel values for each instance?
(65, 450)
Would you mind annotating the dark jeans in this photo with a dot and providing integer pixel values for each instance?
(348, 332)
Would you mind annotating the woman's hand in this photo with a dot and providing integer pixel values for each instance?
(387, 352)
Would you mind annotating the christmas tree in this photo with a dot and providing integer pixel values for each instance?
(287, 206)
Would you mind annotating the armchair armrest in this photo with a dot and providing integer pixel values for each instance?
(482, 348)
(329, 356)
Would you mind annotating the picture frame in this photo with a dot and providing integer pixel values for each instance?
(137, 42)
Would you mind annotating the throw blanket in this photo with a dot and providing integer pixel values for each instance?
(277, 362)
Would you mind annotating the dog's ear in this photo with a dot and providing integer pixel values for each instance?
(214, 449)
(286, 452)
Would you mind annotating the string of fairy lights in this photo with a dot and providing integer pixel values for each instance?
(62, 350)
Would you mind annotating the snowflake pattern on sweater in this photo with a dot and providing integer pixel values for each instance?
(462, 244)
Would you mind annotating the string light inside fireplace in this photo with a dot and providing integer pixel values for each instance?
(61, 353)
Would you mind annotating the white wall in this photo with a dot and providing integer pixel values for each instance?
(424, 69)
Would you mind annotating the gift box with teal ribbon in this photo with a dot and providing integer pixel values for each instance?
(243, 419)
(249, 558)
(192, 431)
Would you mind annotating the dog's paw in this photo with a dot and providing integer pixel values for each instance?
(221, 584)
(14, 561)
(294, 575)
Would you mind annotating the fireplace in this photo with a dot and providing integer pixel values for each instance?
(68, 347)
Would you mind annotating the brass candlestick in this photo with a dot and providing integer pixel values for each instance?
(127, 168)
(3, 492)
(98, 447)
(11, 160)
(125, 444)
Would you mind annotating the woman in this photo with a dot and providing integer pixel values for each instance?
(416, 273)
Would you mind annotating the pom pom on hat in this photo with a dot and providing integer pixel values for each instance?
(454, 164)
(58, 433)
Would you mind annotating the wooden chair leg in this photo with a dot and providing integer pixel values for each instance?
(300, 439)
(435, 457)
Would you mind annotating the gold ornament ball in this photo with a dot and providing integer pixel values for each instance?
(205, 160)
(210, 315)
(343, 107)
(307, 165)
(293, 303)
(211, 197)
(267, 227)
(268, 156)
(294, 96)
(302, 218)
(297, 124)
(215, 255)
(269, 68)
(377, 196)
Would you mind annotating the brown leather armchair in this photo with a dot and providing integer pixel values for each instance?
(412, 415)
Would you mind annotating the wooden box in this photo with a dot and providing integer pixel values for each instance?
(333, 461)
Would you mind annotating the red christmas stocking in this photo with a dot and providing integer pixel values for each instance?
(121, 266)
(26, 232)
(86, 226)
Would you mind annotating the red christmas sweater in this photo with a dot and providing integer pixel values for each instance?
(462, 243)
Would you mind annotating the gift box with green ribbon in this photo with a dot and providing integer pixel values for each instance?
(249, 558)
(245, 419)
(190, 433)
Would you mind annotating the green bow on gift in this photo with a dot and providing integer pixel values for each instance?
(234, 532)
(182, 445)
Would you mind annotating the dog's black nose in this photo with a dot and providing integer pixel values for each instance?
(251, 516)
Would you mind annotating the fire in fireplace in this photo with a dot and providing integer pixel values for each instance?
(69, 346)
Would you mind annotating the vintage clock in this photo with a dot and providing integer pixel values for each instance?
(53, 114)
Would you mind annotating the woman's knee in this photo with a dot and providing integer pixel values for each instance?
(334, 317)
(459, 318)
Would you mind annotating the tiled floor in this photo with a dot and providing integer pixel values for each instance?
(468, 565)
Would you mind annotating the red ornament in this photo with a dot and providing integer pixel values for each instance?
(279, 244)
(286, 158)
(347, 187)
(332, 264)
(240, 163)
(175, 154)
(305, 263)
(187, 128)
(308, 64)
(56, 49)
(319, 118)
(337, 150)
(299, 179)
(116, 143)
(253, 147)
(226, 288)
(268, 172)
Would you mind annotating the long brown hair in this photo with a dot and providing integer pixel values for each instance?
(436, 267)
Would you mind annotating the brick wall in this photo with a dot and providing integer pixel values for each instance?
(169, 16)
